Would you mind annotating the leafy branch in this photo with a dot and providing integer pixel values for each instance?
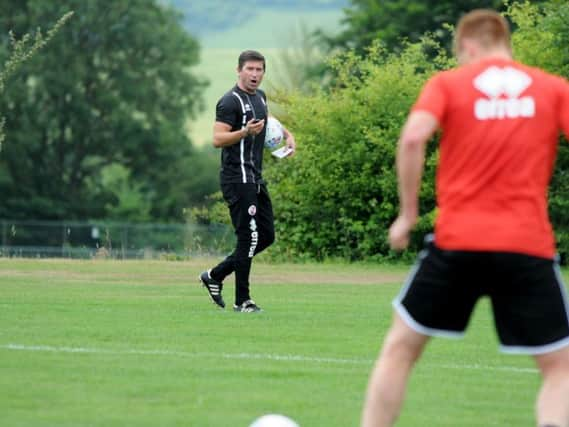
(22, 50)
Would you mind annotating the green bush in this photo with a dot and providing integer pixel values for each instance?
(338, 196)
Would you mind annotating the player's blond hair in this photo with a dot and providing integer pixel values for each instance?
(486, 26)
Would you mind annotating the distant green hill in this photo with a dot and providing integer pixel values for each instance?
(202, 17)
(272, 28)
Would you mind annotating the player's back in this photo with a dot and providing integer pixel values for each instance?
(501, 123)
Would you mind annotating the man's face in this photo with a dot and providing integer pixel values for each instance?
(251, 75)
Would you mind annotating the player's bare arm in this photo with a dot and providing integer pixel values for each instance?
(418, 129)
(224, 137)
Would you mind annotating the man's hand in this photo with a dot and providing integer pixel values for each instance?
(291, 144)
(400, 231)
(254, 126)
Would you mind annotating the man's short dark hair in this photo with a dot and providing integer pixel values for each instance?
(486, 26)
(250, 55)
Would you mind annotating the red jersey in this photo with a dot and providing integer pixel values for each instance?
(500, 125)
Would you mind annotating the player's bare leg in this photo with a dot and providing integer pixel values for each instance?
(553, 399)
(386, 389)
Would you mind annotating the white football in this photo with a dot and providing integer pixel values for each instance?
(274, 420)
(274, 133)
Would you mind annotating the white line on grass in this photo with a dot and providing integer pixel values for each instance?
(246, 356)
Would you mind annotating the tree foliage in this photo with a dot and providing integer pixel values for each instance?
(393, 20)
(339, 195)
(95, 125)
(22, 50)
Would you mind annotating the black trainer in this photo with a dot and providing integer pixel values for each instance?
(213, 288)
(248, 306)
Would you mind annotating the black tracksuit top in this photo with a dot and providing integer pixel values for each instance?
(242, 162)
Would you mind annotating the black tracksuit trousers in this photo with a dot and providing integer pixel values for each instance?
(252, 217)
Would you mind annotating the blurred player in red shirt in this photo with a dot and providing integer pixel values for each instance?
(500, 123)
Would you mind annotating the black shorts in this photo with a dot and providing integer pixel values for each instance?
(529, 300)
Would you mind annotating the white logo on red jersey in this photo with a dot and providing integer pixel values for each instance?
(503, 87)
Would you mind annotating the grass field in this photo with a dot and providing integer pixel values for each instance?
(137, 343)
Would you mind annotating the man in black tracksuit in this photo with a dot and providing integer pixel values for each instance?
(240, 131)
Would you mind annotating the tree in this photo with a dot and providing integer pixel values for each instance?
(115, 88)
(21, 51)
(392, 20)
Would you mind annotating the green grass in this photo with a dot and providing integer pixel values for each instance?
(137, 343)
